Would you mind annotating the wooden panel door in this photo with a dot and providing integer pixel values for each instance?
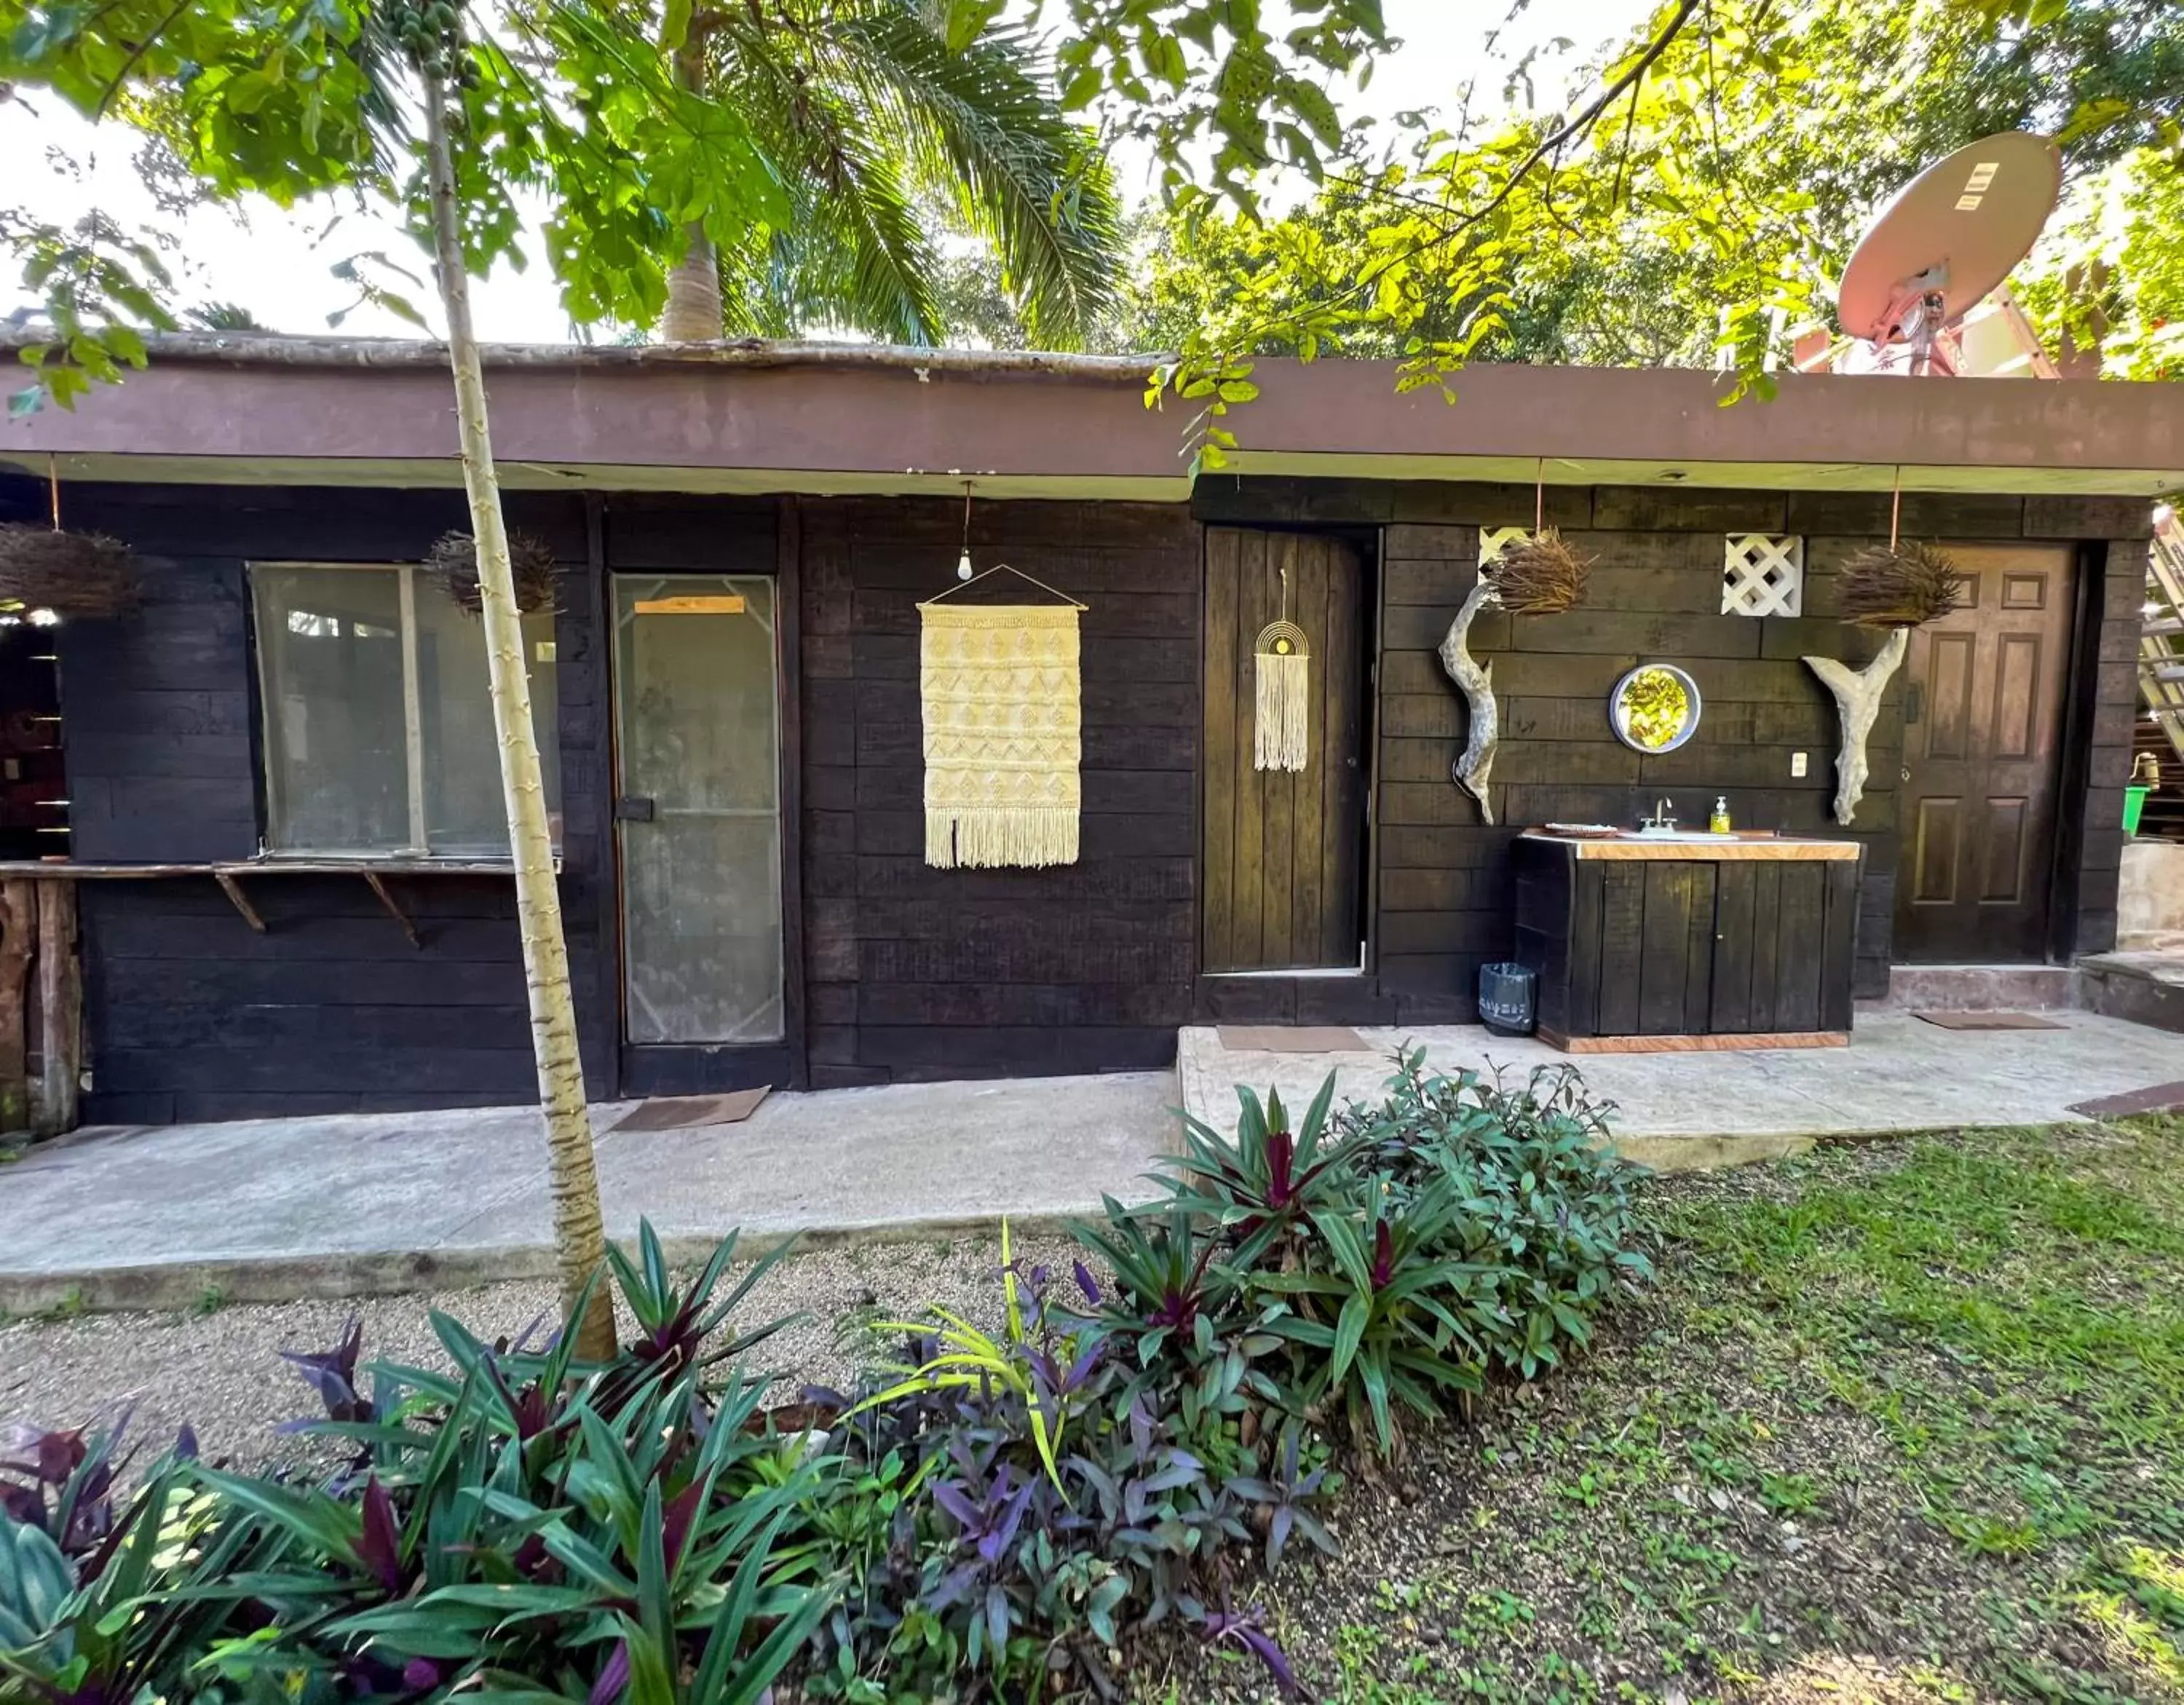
(1283, 852)
(1983, 719)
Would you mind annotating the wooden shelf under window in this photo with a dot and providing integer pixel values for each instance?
(229, 874)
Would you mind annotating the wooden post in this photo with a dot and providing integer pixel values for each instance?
(19, 927)
(60, 1010)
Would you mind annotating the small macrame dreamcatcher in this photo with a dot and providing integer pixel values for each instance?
(1283, 729)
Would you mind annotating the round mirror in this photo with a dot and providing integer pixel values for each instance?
(1655, 708)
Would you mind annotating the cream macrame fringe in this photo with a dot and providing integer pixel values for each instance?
(987, 836)
(1283, 729)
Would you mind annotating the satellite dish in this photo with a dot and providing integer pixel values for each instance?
(1948, 237)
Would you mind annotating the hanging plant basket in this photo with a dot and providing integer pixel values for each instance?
(453, 558)
(73, 574)
(1539, 576)
(1904, 585)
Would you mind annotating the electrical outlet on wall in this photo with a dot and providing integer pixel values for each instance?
(1796, 766)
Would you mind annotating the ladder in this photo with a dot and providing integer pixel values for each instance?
(2161, 638)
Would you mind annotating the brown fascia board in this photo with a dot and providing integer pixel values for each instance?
(836, 417)
(852, 416)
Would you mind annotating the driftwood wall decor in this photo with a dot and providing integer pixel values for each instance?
(1897, 586)
(1858, 694)
(1538, 575)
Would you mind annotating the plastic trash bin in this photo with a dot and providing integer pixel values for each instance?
(1507, 999)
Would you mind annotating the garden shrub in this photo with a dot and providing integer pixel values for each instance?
(526, 1525)
(1413, 1247)
(1114, 1459)
(1016, 1502)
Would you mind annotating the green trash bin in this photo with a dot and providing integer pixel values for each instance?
(2134, 802)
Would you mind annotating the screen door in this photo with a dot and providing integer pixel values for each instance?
(698, 736)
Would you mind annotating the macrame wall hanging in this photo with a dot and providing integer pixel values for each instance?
(1282, 731)
(999, 689)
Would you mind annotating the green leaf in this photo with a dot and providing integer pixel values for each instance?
(1349, 1332)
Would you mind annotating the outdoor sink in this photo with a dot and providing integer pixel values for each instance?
(1679, 835)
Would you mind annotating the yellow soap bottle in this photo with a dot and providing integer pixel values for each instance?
(1718, 822)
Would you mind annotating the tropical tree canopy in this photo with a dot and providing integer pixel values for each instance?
(881, 129)
(577, 103)
(1698, 196)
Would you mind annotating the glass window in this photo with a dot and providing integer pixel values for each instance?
(378, 721)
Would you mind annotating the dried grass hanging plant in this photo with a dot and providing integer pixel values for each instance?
(1906, 584)
(1539, 576)
(72, 574)
(453, 558)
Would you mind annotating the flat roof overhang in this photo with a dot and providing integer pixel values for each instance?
(847, 420)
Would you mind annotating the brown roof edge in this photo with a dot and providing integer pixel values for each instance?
(246, 349)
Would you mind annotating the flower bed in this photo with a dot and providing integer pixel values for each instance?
(1006, 1514)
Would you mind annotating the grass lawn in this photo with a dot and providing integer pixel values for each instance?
(1903, 1421)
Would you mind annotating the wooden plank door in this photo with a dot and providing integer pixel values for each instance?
(1982, 742)
(1283, 852)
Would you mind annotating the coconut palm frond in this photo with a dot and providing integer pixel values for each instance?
(854, 249)
(984, 131)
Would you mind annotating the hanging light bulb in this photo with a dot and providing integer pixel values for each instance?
(963, 562)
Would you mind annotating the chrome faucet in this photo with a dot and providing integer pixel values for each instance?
(1660, 820)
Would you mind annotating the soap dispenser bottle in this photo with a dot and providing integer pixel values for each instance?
(1718, 822)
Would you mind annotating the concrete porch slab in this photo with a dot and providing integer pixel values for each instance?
(265, 1210)
(1679, 1112)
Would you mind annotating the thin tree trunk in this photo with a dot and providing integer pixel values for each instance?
(579, 1236)
(692, 314)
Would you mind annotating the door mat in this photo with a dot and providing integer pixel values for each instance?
(681, 1112)
(2162, 1098)
(1291, 1039)
(1989, 1021)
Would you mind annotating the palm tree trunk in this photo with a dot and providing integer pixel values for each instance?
(579, 1236)
(692, 314)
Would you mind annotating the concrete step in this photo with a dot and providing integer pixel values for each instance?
(2145, 986)
(1976, 988)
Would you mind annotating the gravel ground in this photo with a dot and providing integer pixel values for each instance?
(220, 1371)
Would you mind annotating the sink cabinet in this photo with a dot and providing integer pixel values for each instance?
(1664, 944)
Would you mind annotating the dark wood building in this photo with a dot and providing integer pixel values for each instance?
(280, 812)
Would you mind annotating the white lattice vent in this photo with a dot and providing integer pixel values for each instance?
(1494, 540)
(1763, 574)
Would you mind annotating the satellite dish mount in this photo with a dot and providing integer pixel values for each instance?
(1948, 238)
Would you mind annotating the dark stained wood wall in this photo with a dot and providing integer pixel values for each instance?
(1443, 879)
(920, 973)
(189, 1013)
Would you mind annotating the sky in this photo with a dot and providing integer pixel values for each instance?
(278, 264)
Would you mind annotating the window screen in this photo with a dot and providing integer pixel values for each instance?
(378, 719)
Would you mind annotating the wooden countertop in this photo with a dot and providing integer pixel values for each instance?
(1747, 847)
